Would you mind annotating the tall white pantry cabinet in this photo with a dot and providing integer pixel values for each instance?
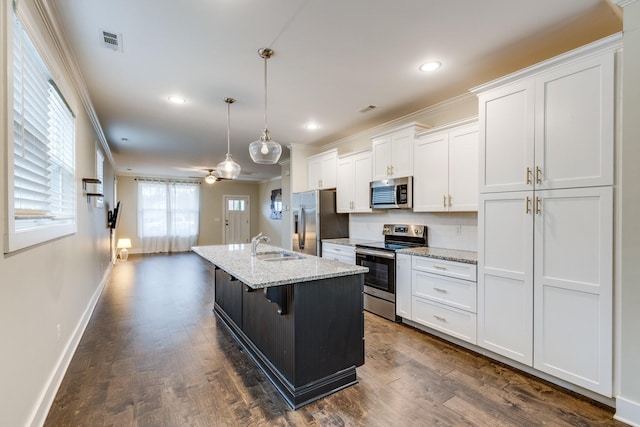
(545, 216)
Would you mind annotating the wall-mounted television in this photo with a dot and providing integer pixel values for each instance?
(113, 217)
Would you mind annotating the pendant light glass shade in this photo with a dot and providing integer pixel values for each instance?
(265, 150)
(228, 169)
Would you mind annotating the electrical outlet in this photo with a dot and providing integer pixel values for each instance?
(59, 328)
(458, 230)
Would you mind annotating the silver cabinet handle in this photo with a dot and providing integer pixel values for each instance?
(440, 318)
(439, 267)
(444, 291)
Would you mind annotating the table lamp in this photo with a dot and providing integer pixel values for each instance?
(124, 245)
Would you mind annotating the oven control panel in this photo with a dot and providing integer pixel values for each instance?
(403, 230)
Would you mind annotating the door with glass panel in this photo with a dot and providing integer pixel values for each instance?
(237, 219)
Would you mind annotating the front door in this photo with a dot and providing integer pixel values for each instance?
(237, 219)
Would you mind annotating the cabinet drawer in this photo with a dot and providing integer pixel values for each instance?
(454, 292)
(457, 323)
(342, 253)
(459, 270)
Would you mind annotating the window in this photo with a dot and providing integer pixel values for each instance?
(97, 201)
(168, 215)
(41, 185)
(236, 205)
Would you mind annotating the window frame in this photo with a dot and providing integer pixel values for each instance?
(18, 239)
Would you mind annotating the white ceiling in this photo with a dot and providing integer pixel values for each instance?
(332, 58)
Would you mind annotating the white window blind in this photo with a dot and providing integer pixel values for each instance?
(100, 175)
(43, 156)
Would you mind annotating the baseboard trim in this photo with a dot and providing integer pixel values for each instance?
(627, 411)
(45, 401)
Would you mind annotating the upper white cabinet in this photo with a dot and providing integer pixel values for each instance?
(352, 187)
(392, 152)
(553, 129)
(446, 168)
(322, 170)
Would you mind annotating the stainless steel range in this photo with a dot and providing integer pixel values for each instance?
(380, 258)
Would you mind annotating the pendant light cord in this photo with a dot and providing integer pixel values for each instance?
(228, 128)
(266, 58)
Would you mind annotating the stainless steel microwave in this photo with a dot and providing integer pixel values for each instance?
(392, 193)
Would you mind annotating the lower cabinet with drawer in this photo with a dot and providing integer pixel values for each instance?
(444, 296)
(344, 253)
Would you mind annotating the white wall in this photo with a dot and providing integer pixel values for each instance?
(628, 319)
(51, 284)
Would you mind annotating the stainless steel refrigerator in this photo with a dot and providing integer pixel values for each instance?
(314, 219)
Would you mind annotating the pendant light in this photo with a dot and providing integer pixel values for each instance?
(265, 150)
(228, 169)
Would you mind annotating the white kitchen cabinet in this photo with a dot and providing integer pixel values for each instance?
(392, 152)
(444, 296)
(505, 275)
(403, 285)
(322, 170)
(545, 217)
(352, 186)
(338, 252)
(552, 129)
(573, 282)
(550, 250)
(446, 169)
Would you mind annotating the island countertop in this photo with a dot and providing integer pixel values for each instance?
(237, 261)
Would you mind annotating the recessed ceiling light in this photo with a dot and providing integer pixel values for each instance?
(177, 100)
(311, 126)
(430, 66)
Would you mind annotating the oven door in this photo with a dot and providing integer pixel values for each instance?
(382, 269)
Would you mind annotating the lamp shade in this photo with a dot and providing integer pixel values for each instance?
(210, 179)
(124, 243)
(228, 169)
(265, 150)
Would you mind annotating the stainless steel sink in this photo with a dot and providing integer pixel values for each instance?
(278, 256)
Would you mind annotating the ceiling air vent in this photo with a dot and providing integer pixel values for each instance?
(368, 108)
(111, 40)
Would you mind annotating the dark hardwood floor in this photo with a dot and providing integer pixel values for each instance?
(154, 354)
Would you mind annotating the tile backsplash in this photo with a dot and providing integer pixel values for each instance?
(449, 230)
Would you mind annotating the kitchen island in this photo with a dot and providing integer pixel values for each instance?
(299, 317)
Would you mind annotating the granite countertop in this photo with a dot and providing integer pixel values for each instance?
(346, 241)
(237, 261)
(467, 257)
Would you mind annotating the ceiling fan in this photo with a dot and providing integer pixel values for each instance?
(212, 177)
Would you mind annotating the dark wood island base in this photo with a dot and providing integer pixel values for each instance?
(307, 337)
